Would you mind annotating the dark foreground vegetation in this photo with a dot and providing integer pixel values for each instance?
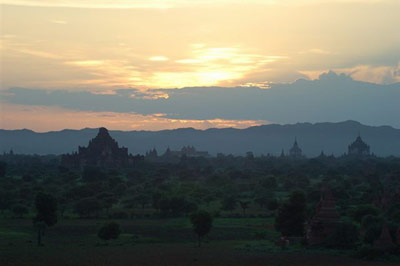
(241, 210)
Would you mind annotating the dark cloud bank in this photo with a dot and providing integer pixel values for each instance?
(331, 98)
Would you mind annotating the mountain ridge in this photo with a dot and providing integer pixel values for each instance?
(330, 137)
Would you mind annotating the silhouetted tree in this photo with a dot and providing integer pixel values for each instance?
(46, 207)
(109, 231)
(244, 204)
(202, 224)
(291, 215)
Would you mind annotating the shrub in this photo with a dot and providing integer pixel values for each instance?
(109, 231)
(20, 210)
(364, 210)
(120, 215)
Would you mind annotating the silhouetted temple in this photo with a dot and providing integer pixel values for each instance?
(188, 151)
(152, 154)
(324, 221)
(295, 151)
(358, 148)
(102, 150)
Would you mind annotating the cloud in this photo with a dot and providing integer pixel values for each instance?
(367, 73)
(316, 51)
(48, 118)
(162, 4)
(244, 43)
(158, 58)
(59, 21)
(331, 97)
(375, 74)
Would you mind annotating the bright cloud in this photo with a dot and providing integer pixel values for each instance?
(368, 73)
(169, 3)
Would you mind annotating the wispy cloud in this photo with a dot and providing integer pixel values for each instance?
(48, 118)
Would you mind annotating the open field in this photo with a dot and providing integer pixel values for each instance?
(232, 241)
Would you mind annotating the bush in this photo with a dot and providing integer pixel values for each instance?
(87, 207)
(109, 231)
(369, 253)
(364, 210)
(345, 236)
(372, 227)
(119, 215)
(260, 235)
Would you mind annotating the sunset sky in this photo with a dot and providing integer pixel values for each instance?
(138, 52)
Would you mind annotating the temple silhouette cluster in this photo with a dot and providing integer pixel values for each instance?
(103, 150)
(357, 149)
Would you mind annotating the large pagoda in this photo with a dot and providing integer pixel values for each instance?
(102, 150)
(295, 151)
(325, 220)
(358, 148)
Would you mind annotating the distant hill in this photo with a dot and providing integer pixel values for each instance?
(312, 138)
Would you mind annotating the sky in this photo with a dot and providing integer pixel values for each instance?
(158, 64)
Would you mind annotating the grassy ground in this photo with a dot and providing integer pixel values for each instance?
(232, 241)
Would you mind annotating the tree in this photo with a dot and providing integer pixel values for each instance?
(20, 210)
(177, 205)
(244, 204)
(364, 210)
(107, 200)
(345, 236)
(2, 169)
(273, 204)
(229, 203)
(46, 207)
(269, 182)
(202, 223)
(291, 215)
(109, 231)
(93, 174)
(372, 227)
(262, 196)
(88, 207)
(5, 200)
